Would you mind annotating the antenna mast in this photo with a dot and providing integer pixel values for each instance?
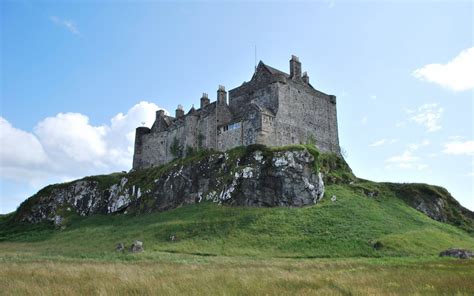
(255, 58)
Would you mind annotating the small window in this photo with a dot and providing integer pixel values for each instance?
(232, 126)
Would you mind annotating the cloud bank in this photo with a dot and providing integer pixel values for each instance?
(68, 146)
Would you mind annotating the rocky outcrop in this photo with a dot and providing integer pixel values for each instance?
(254, 177)
(436, 202)
(457, 253)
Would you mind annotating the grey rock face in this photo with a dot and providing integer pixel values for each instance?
(120, 247)
(285, 178)
(58, 220)
(457, 253)
(137, 247)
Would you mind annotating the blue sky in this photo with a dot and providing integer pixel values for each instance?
(78, 76)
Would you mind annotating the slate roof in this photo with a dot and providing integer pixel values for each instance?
(274, 71)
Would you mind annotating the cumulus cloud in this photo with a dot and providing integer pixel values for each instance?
(459, 148)
(68, 146)
(428, 115)
(457, 74)
(70, 135)
(67, 24)
(19, 147)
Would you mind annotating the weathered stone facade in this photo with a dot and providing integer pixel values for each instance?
(273, 109)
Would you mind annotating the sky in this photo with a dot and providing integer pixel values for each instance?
(77, 78)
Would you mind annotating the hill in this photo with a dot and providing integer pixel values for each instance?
(356, 218)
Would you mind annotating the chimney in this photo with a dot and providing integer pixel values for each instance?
(179, 111)
(221, 95)
(295, 67)
(305, 78)
(160, 113)
(204, 100)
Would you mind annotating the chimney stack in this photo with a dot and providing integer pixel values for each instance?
(204, 100)
(295, 68)
(221, 95)
(179, 111)
(305, 78)
(160, 113)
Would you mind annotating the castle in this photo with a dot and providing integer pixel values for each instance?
(274, 109)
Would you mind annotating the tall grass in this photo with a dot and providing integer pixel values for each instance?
(221, 276)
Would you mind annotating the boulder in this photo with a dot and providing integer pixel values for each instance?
(457, 253)
(120, 247)
(137, 247)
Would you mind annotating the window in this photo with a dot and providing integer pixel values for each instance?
(232, 126)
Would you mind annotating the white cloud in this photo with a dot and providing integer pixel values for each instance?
(19, 148)
(68, 24)
(428, 115)
(364, 120)
(71, 136)
(408, 160)
(378, 143)
(416, 146)
(457, 74)
(68, 146)
(459, 148)
(406, 157)
(373, 97)
(383, 142)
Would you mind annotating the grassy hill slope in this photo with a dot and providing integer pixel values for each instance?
(355, 225)
(367, 219)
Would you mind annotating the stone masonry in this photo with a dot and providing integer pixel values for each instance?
(274, 109)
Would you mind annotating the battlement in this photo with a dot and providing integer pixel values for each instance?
(274, 108)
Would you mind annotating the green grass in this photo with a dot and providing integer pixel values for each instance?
(346, 228)
(325, 249)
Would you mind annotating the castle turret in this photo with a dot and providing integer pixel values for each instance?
(295, 68)
(221, 95)
(204, 100)
(137, 156)
(179, 112)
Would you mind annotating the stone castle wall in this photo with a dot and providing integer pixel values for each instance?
(305, 115)
(273, 109)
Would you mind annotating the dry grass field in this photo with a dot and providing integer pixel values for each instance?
(176, 274)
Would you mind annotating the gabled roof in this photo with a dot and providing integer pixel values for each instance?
(274, 71)
(270, 70)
